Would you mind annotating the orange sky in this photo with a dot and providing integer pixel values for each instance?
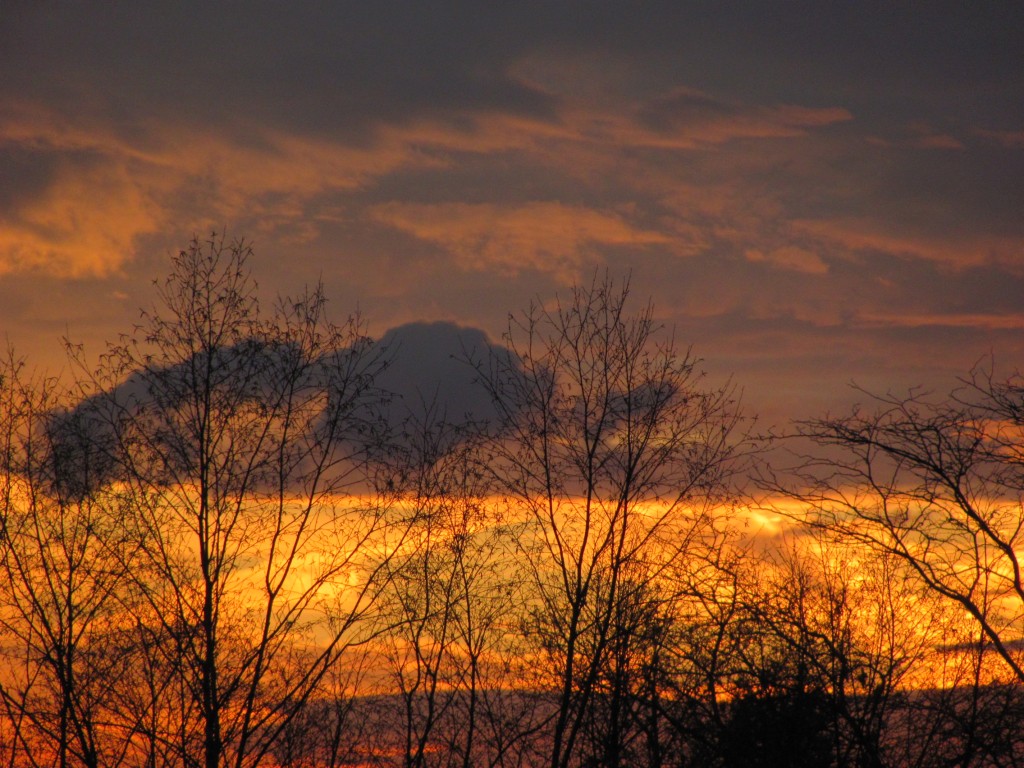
(810, 196)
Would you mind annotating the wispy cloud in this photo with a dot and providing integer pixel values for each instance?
(540, 236)
(1006, 139)
(791, 258)
(851, 236)
(980, 321)
(688, 118)
(113, 185)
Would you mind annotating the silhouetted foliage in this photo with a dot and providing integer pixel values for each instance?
(778, 729)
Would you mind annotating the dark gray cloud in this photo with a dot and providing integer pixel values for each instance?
(314, 66)
(346, 63)
(433, 374)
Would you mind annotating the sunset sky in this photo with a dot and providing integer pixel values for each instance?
(811, 193)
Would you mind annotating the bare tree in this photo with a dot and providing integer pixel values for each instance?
(614, 457)
(702, 653)
(62, 586)
(242, 449)
(965, 708)
(451, 603)
(938, 484)
(425, 598)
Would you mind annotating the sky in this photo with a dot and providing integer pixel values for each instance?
(812, 194)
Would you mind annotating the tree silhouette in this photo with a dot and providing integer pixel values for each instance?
(63, 587)
(227, 544)
(938, 484)
(615, 457)
(242, 450)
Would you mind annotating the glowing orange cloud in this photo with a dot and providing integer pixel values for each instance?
(1014, 321)
(173, 174)
(84, 224)
(790, 258)
(548, 237)
(852, 235)
(87, 220)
